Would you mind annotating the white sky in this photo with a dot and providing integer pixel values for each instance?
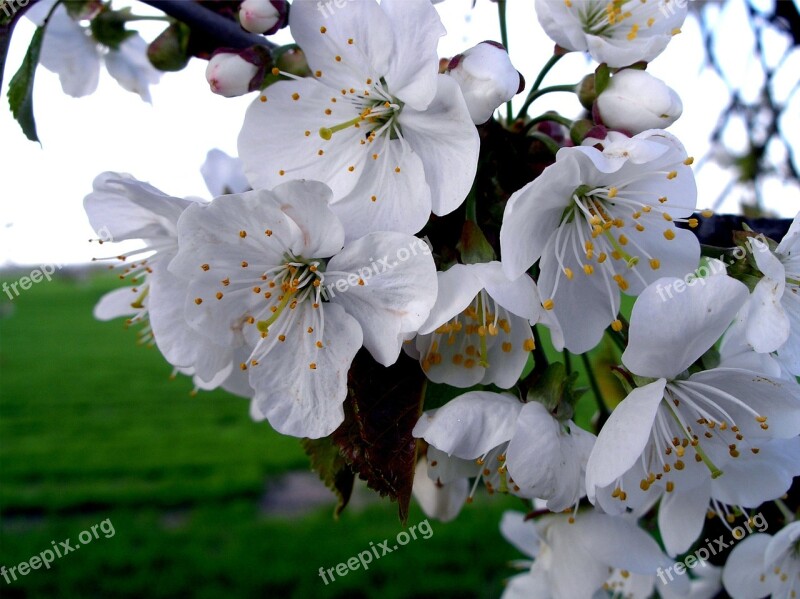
(42, 188)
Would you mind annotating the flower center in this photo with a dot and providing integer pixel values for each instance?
(599, 229)
(298, 280)
(380, 115)
(468, 338)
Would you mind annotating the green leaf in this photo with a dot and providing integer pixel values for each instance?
(333, 470)
(108, 27)
(20, 88)
(382, 407)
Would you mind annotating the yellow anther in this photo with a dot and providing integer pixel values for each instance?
(669, 234)
(548, 304)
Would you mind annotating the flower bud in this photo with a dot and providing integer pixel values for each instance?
(486, 78)
(635, 101)
(230, 75)
(263, 16)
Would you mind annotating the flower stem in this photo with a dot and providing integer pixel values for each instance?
(501, 14)
(536, 84)
(536, 94)
(548, 141)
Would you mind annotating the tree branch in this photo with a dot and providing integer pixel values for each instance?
(222, 32)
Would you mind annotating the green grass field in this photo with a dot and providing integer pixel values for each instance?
(92, 428)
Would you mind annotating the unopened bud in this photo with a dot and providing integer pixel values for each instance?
(230, 75)
(586, 91)
(487, 79)
(263, 16)
(635, 101)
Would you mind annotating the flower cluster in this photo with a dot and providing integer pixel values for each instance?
(311, 250)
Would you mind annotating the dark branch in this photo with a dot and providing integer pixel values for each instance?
(212, 27)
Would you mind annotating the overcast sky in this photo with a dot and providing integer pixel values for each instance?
(42, 188)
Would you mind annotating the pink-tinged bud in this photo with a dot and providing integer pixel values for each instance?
(635, 101)
(263, 16)
(487, 79)
(230, 75)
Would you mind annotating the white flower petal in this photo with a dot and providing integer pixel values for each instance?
(704, 309)
(223, 174)
(131, 68)
(392, 302)
(745, 569)
(534, 212)
(471, 424)
(543, 460)
(180, 344)
(306, 203)
(750, 480)
(775, 399)
(789, 242)
(782, 543)
(296, 399)
(446, 140)
(519, 296)
(623, 437)
(117, 303)
(619, 543)
(402, 200)
(324, 35)
(526, 586)
(520, 533)
(682, 515)
(583, 306)
(121, 208)
(70, 52)
(458, 286)
(506, 363)
(443, 502)
(274, 140)
(414, 64)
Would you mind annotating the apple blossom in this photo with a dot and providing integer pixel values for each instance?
(635, 101)
(678, 432)
(617, 32)
(256, 266)
(486, 78)
(121, 208)
(517, 447)
(601, 221)
(479, 329)
(764, 565)
(581, 555)
(772, 315)
(70, 51)
(377, 123)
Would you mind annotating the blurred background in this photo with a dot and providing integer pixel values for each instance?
(204, 502)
